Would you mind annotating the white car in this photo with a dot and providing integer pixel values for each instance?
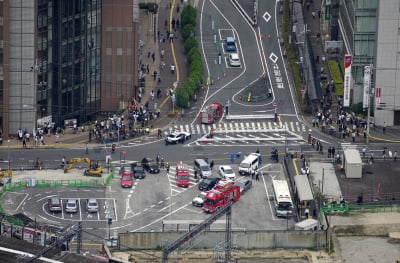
(199, 199)
(177, 137)
(92, 206)
(71, 206)
(234, 60)
(227, 172)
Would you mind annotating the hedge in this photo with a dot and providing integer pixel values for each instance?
(336, 76)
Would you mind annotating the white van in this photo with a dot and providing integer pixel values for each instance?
(250, 163)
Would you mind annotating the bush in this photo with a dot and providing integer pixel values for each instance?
(337, 77)
(151, 7)
(190, 43)
(182, 98)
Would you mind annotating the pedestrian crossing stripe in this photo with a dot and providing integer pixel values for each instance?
(233, 127)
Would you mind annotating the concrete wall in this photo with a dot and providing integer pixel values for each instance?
(241, 239)
(366, 230)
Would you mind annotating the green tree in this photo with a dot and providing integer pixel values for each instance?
(182, 97)
(190, 43)
(188, 31)
(188, 16)
(194, 54)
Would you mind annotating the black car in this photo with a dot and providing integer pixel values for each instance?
(208, 183)
(150, 165)
(138, 172)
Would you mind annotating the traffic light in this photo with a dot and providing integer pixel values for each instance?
(109, 220)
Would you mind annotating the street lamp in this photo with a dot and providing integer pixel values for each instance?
(8, 159)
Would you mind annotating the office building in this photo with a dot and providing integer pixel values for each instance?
(371, 34)
(66, 59)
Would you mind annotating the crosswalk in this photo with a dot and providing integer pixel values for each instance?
(176, 190)
(248, 127)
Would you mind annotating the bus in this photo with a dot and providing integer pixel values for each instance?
(282, 198)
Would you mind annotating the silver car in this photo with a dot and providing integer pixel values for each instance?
(71, 206)
(92, 206)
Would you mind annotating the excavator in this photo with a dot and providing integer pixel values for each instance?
(4, 173)
(94, 169)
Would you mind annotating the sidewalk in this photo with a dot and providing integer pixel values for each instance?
(173, 54)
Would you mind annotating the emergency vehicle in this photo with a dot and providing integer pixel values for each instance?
(211, 113)
(221, 195)
(182, 175)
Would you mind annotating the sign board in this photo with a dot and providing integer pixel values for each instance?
(70, 123)
(275, 105)
(347, 80)
(367, 86)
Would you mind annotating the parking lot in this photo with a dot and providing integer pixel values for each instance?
(149, 202)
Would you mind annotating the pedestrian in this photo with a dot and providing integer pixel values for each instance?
(177, 8)
(155, 75)
(171, 37)
(384, 127)
(167, 167)
(172, 68)
(166, 23)
(153, 56)
(211, 165)
(384, 154)
(24, 142)
(371, 158)
(317, 60)
(148, 69)
(63, 162)
(363, 152)
(87, 149)
(258, 151)
(140, 97)
(306, 212)
(313, 14)
(158, 93)
(353, 136)
(394, 156)
(152, 95)
(148, 53)
(258, 176)
(173, 23)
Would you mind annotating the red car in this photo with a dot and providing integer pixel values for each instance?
(126, 180)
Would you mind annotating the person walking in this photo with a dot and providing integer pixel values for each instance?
(155, 75)
(23, 142)
(211, 165)
(258, 176)
(394, 156)
(87, 149)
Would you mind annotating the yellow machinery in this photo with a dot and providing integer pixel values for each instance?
(94, 169)
(4, 173)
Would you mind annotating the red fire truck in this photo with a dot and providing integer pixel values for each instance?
(182, 175)
(221, 195)
(211, 113)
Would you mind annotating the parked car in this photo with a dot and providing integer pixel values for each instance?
(92, 206)
(126, 180)
(227, 172)
(55, 204)
(177, 137)
(208, 183)
(199, 199)
(125, 169)
(244, 185)
(71, 206)
(150, 165)
(138, 172)
(234, 60)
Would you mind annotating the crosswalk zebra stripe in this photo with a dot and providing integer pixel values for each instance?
(269, 125)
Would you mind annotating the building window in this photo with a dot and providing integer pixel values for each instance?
(365, 24)
(366, 4)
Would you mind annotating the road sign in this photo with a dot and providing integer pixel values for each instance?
(302, 90)
(124, 153)
(275, 105)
